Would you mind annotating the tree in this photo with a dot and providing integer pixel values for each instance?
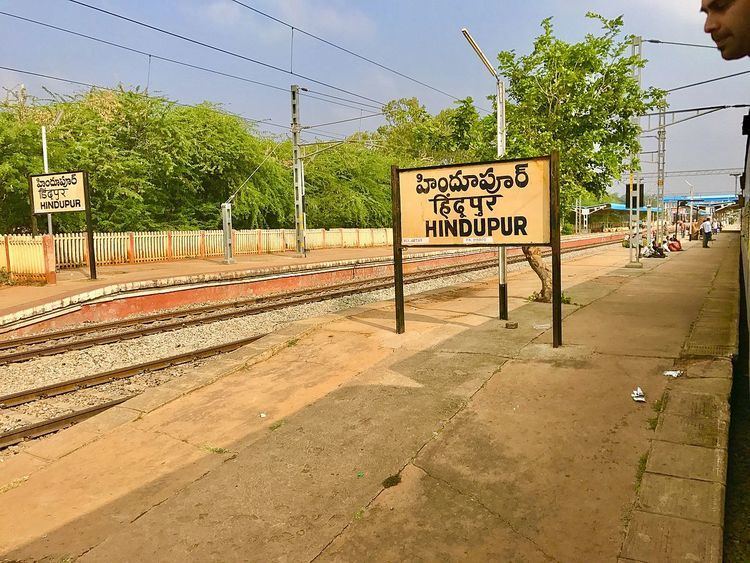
(20, 154)
(414, 137)
(152, 164)
(348, 186)
(579, 98)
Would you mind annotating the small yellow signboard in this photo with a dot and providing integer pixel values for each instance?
(490, 203)
(57, 193)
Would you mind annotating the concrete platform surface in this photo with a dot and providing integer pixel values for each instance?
(339, 440)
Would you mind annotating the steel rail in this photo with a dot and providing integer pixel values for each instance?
(18, 435)
(26, 396)
(147, 319)
(274, 302)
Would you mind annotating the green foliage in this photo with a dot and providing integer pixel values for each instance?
(414, 137)
(348, 186)
(579, 98)
(152, 163)
(20, 154)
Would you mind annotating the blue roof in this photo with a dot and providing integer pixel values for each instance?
(621, 207)
(702, 198)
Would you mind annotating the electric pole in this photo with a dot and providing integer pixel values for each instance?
(634, 201)
(299, 175)
(46, 171)
(660, 173)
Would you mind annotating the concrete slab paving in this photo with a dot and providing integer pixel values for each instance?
(558, 451)
(696, 405)
(685, 498)
(655, 537)
(401, 526)
(59, 500)
(694, 432)
(690, 462)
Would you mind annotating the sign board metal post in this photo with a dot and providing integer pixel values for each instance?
(34, 228)
(554, 219)
(398, 252)
(226, 221)
(89, 227)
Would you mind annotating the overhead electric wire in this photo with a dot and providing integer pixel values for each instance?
(331, 102)
(145, 53)
(689, 110)
(678, 43)
(175, 61)
(344, 120)
(345, 50)
(221, 50)
(262, 162)
(50, 77)
(708, 81)
(343, 99)
(98, 87)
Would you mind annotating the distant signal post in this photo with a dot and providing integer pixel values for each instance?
(501, 203)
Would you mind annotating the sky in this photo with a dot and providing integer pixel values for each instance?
(418, 38)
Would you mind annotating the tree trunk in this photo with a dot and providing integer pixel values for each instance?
(533, 256)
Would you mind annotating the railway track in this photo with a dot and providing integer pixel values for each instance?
(54, 424)
(166, 322)
(35, 430)
(12, 351)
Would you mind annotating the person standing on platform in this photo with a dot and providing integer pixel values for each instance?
(706, 231)
(728, 23)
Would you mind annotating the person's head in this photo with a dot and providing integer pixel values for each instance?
(728, 23)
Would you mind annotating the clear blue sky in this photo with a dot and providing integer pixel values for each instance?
(419, 38)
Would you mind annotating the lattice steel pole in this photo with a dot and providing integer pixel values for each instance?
(660, 173)
(634, 202)
(299, 188)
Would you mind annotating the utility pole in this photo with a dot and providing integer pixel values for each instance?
(690, 223)
(634, 202)
(226, 223)
(46, 171)
(501, 142)
(501, 254)
(660, 173)
(299, 175)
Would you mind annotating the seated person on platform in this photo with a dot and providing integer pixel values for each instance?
(674, 244)
(665, 246)
(658, 252)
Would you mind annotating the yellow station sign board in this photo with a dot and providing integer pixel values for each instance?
(494, 203)
(57, 193)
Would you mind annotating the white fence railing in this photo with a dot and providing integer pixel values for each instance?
(29, 258)
(136, 247)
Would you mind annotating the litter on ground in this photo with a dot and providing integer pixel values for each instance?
(638, 395)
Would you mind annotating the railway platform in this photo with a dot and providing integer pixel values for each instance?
(336, 439)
